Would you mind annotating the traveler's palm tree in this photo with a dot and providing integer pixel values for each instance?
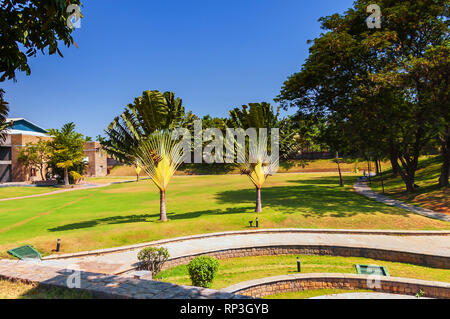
(160, 157)
(151, 112)
(263, 115)
(258, 166)
(4, 109)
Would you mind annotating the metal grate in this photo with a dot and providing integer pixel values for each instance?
(25, 252)
(372, 270)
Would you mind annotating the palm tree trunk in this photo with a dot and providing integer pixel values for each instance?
(162, 206)
(258, 208)
(66, 177)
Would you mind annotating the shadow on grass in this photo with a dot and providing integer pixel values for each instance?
(149, 218)
(316, 197)
(311, 200)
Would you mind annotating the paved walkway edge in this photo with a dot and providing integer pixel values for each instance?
(261, 231)
(363, 189)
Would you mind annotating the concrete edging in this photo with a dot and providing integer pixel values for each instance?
(299, 282)
(262, 231)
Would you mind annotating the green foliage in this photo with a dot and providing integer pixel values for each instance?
(262, 115)
(66, 151)
(29, 26)
(381, 91)
(202, 271)
(4, 109)
(36, 155)
(76, 177)
(150, 112)
(153, 259)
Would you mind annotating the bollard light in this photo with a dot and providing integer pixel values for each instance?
(257, 222)
(299, 266)
(58, 245)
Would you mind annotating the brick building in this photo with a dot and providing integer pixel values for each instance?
(24, 132)
(97, 160)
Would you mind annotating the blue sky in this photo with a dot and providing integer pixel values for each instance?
(213, 54)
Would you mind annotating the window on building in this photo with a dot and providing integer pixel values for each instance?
(33, 172)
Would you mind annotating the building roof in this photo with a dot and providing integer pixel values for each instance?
(25, 127)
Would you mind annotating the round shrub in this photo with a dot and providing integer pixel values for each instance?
(153, 259)
(202, 271)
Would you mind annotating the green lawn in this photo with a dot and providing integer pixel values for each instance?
(236, 270)
(128, 213)
(428, 195)
(11, 192)
(22, 290)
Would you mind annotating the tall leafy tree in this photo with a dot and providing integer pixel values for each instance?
(66, 149)
(30, 26)
(352, 76)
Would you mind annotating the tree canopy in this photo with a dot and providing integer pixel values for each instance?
(66, 150)
(30, 26)
(377, 89)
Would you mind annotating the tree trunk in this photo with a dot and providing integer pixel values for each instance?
(408, 172)
(377, 167)
(445, 151)
(258, 208)
(341, 181)
(162, 206)
(381, 175)
(137, 178)
(42, 172)
(66, 177)
(394, 163)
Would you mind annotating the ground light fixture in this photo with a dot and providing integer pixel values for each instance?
(257, 222)
(58, 245)
(299, 265)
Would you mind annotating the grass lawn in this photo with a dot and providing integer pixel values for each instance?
(429, 195)
(306, 294)
(21, 290)
(291, 166)
(236, 270)
(110, 179)
(10, 192)
(128, 213)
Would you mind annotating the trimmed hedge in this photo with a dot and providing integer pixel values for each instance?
(202, 271)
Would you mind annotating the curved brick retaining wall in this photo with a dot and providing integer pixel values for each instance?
(388, 255)
(293, 283)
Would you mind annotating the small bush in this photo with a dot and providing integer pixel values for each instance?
(153, 259)
(202, 271)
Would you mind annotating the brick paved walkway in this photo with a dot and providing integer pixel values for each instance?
(98, 269)
(121, 261)
(363, 189)
(106, 286)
